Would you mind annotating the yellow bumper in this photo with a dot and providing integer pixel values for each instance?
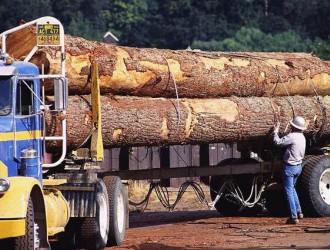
(12, 228)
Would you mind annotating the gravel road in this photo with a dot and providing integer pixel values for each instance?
(192, 226)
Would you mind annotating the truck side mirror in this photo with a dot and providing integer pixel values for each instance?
(61, 93)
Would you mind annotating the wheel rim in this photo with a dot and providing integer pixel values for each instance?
(103, 214)
(324, 186)
(120, 212)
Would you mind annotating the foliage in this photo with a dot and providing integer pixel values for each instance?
(13, 11)
(249, 25)
(321, 48)
(253, 39)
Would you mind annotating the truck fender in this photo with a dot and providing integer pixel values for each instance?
(14, 203)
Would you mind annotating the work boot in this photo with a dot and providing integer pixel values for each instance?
(300, 215)
(292, 221)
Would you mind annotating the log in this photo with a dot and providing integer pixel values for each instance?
(192, 74)
(137, 121)
(158, 73)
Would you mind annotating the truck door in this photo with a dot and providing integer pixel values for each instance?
(27, 129)
(6, 124)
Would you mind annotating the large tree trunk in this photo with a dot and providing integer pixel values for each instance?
(135, 121)
(158, 73)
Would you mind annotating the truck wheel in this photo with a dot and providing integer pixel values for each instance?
(30, 241)
(276, 203)
(118, 211)
(69, 239)
(228, 205)
(314, 186)
(94, 231)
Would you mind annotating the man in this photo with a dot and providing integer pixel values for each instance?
(295, 144)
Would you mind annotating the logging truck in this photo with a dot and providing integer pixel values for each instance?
(66, 200)
(38, 200)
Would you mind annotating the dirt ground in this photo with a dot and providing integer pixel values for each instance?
(192, 226)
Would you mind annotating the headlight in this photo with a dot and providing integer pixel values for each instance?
(4, 185)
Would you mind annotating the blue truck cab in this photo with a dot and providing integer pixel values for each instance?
(36, 203)
(20, 119)
(27, 206)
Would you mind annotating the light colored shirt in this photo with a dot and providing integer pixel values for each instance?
(295, 144)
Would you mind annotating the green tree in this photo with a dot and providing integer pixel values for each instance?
(309, 17)
(253, 39)
(321, 48)
(12, 11)
(249, 25)
(124, 19)
(82, 17)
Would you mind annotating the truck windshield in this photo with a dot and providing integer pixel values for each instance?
(5, 95)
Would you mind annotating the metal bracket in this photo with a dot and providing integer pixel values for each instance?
(326, 150)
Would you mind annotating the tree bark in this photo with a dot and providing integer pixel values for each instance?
(136, 121)
(191, 74)
(162, 73)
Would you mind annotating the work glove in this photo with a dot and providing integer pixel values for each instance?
(277, 128)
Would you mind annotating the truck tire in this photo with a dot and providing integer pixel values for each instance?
(276, 203)
(69, 239)
(94, 231)
(313, 186)
(228, 205)
(30, 241)
(118, 210)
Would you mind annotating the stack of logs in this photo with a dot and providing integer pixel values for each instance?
(164, 97)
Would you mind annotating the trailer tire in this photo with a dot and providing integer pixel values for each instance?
(94, 231)
(225, 206)
(313, 186)
(276, 203)
(228, 205)
(118, 210)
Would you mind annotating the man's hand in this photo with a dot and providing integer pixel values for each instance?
(276, 128)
